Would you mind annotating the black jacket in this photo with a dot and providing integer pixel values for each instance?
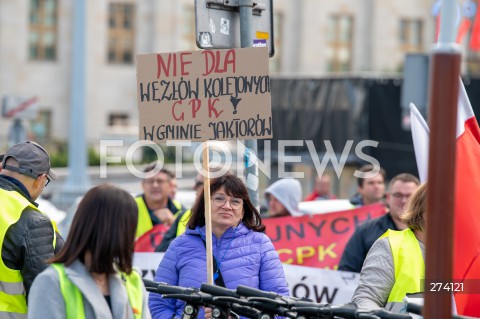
(362, 240)
(29, 242)
(170, 235)
(356, 200)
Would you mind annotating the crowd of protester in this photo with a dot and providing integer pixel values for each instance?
(90, 275)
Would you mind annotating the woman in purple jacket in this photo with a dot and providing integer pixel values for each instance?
(244, 254)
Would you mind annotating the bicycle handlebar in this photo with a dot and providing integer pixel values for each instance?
(347, 311)
(164, 289)
(196, 298)
(329, 312)
(414, 308)
(218, 291)
(240, 306)
(208, 296)
(150, 284)
(252, 292)
(266, 303)
(418, 310)
(258, 302)
(385, 314)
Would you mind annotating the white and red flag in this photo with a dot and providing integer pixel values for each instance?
(466, 262)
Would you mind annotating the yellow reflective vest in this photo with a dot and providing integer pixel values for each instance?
(182, 223)
(12, 290)
(74, 301)
(144, 220)
(408, 264)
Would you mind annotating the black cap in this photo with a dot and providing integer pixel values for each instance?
(33, 160)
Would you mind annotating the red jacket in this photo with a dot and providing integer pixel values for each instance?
(314, 196)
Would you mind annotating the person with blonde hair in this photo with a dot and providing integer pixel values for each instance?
(395, 265)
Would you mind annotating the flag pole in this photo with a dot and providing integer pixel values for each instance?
(208, 213)
(443, 97)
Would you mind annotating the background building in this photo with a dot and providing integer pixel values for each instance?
(313, 39)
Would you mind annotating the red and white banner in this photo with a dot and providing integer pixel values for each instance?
(317, 240)
(466, 259)
(151, 239)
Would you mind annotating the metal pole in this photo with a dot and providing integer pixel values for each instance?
(369, 27)
(17, 133)
(77, 180)
(250, 156)
(444, 86)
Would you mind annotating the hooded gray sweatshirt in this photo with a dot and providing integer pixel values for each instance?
(287, 191)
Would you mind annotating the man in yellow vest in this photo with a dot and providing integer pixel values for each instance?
(27, 236)
(154, 205)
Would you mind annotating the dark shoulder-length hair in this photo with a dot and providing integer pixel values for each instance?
(104, 225)
(233, 187)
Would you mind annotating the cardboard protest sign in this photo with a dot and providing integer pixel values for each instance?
(204, 95)
(317, 240)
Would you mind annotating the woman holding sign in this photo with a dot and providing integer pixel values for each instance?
(244, 255)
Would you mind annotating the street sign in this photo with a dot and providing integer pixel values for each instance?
(18, 107)
(217, 24)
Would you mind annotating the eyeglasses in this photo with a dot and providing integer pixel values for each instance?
(152, 181)
(400, 196)
(26, 172)
(235, 203)
(48, 180)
